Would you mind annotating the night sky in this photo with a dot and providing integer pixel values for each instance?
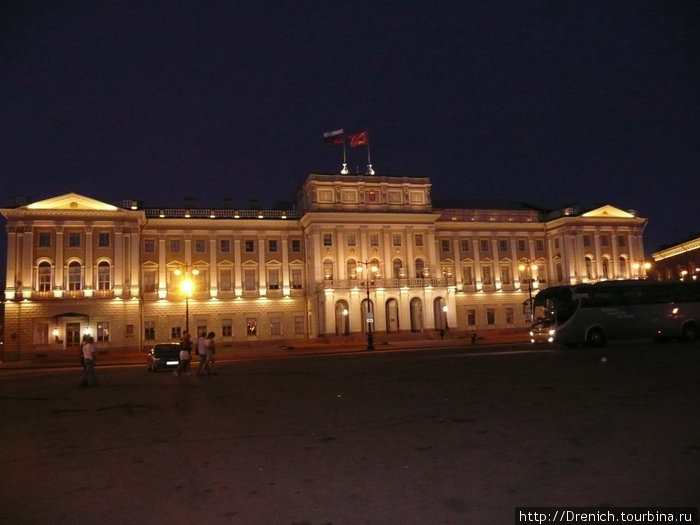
(549, 103)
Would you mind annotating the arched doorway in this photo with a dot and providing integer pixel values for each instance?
(392, 316)
(416, 315)
(342, 318)
(440, 313)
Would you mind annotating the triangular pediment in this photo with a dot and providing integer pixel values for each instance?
(608, 211)
(71, 201)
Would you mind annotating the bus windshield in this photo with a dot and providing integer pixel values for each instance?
(555, 306)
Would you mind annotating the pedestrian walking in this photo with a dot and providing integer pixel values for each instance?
(211, 350)
(89, 351)
(183, 367)
(202, 352)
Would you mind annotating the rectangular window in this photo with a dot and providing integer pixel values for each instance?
(464, 244)
(299, 324)
(103, 239)
(249, 280)
(200, 245)
(249, 245)
(275, 326)
(328, 239)
(174, 245)
(509, 315)
(445, 245)
(556, 244)
(44, 240)
(102, 332)
(296, 245)
(41, 335)
(226, 328)
(251, 326)
(130, 330)
(604, 240)
(471, 317)
(505, 275)
(522, 245)
(484, 246)
(539, 245)
(490, 316)
(486, 275)
(149, 330)
(296, 279)
(175, 332)
(149, 246)
(374, 239)
(467, 275)
(149, 281)
(272, 246)
(225, 284)
(503, 245)
(418, 239)
(74, 239)
(225, 246)
(352, 240)
(273, 279)
(586, 240)
(396, 239)
(620, 240)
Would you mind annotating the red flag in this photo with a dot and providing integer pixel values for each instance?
(359, 139)
(333, 137)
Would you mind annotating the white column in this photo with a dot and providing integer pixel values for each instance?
(238, 267)
(27, 261)
(262, 268)
(213, 267)
(11, 270)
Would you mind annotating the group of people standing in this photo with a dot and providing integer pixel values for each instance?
(204, 348)
(88, 351)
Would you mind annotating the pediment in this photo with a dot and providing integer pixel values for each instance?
(71, 201)
(608, 211)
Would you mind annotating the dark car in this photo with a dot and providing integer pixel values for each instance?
(163, 356)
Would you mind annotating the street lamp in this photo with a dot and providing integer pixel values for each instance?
(529, 267)
(370, 319)
(187, 287)
(447, 326)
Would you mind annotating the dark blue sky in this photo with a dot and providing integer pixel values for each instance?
(545, 102)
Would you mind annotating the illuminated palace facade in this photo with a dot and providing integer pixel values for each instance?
(76, 265)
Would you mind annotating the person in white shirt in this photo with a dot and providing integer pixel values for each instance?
(89, 351)
(202, 351)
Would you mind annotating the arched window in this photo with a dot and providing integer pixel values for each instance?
(104, 276)
(397, 269)
(328, 269)
(375, 269)
(75, 276)
(44, 277)
(623, 267)
(420, 268)
(589, 268)
(606, 268)
(352, 269)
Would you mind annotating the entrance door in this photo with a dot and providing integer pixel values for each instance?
(73, 336)
(392, 316)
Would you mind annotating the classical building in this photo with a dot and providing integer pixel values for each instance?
(680, 261)
(356, 253)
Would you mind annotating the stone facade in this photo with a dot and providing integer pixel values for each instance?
(76, 265)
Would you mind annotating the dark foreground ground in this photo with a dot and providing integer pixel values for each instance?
(458, 436)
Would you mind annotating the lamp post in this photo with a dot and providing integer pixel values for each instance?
(529, 267)
(447, 326)
(187, 286)
(370, 319)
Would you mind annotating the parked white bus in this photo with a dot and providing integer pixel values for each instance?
(593, 314)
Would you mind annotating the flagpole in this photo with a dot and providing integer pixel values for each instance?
(344, 170)
(370, 171)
